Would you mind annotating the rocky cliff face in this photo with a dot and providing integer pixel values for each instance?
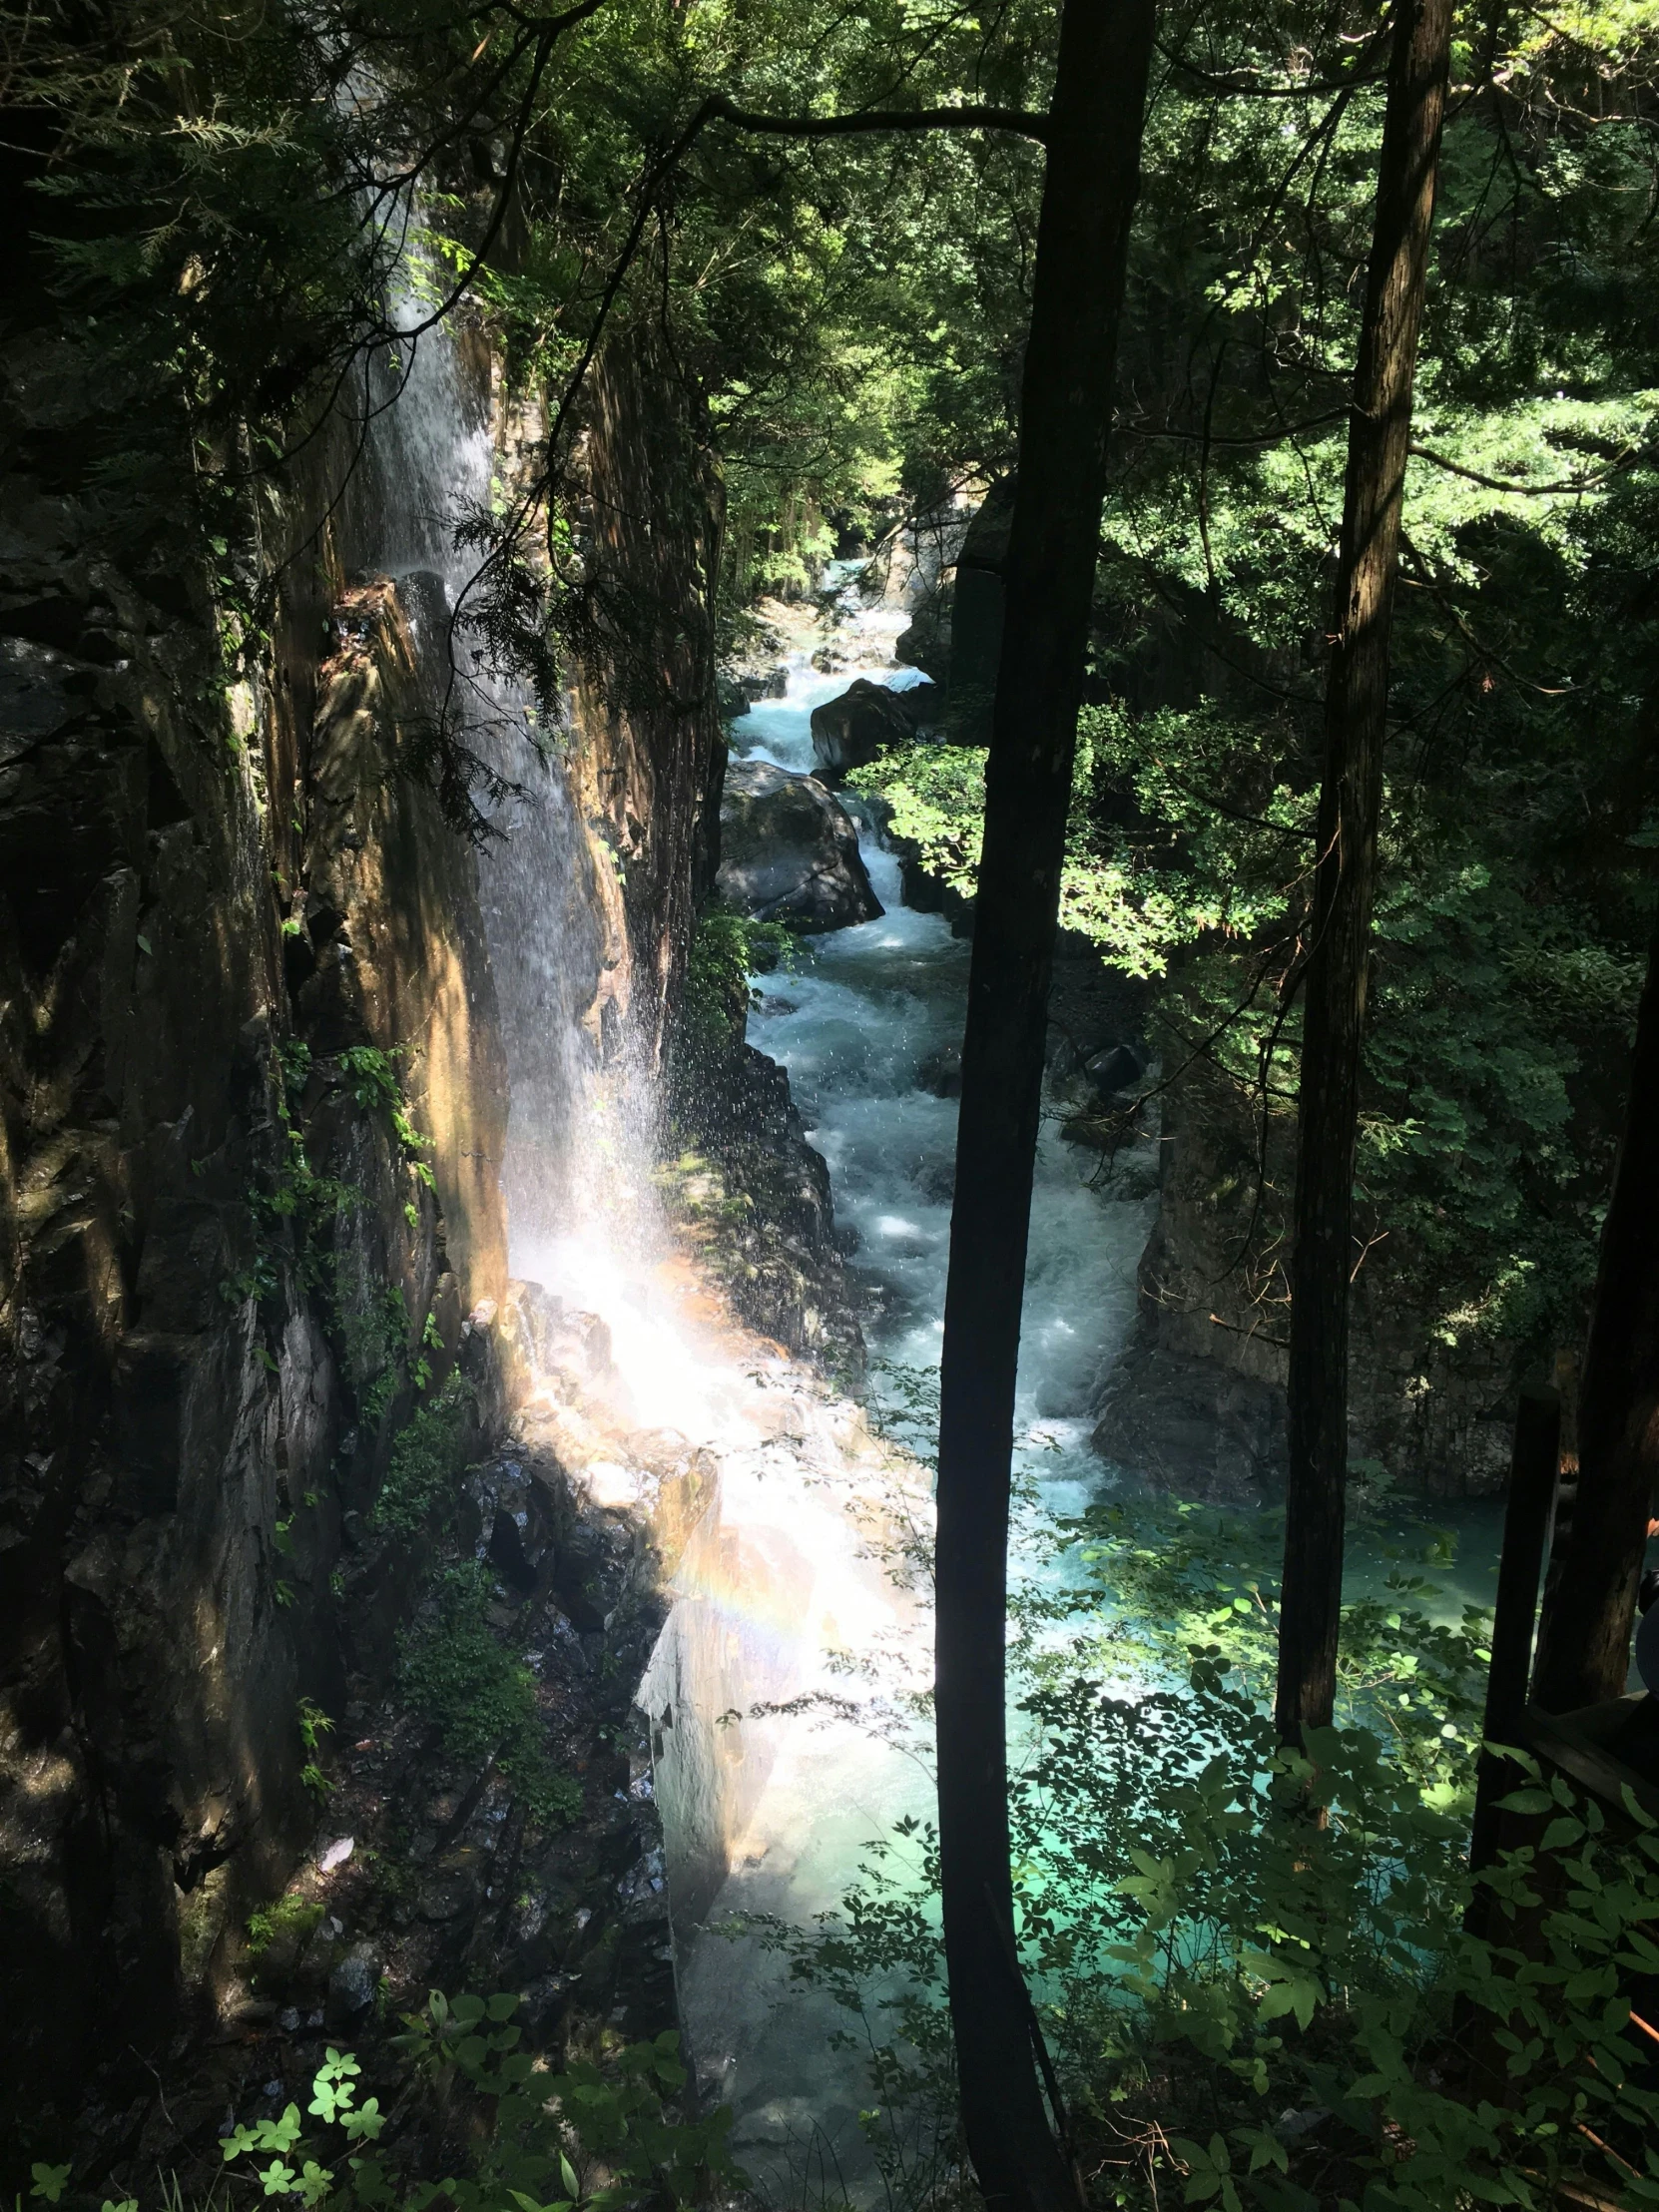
(651, 753)
(1197, 1404)
(253, 1111)
(253, 1117)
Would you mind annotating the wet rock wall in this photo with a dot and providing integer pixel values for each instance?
(252, 1114)
(222, 1256)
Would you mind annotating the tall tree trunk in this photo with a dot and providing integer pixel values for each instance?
(1355, 714)
(1584, 1637)
(1077, 294)
(1533, 1469)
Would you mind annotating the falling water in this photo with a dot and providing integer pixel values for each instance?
(431, 457)
(787, 1595)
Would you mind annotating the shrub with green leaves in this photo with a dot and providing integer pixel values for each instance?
(584, 2139)
(291, 1919)
(602, 2134)
(428, 1456)
(726, 949)
(1251, 2006)
(480, 1695)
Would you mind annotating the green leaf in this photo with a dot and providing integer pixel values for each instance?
(1563, 1830)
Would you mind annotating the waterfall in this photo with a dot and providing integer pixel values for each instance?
(783, 1596)
(551, 916)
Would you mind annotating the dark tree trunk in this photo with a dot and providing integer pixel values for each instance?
(1584, 1636)
(1532, 1467)
(1082, 244)
(1334, 984)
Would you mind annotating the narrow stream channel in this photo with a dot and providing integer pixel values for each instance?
(860, 1019)
(861, 1022)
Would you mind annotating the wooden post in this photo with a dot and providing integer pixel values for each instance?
(1526, 1524)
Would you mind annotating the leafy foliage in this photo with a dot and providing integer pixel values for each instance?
(479, 1694)
(612, 2126)
(290, 1919)
(427, 1458)
(584, 2139)
(1264, 2008)
(314, 1724)
(726, 950)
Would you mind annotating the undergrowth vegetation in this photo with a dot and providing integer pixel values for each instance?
(585, 2139)
(1245, 2004)
(479, 1694)
(726, 950)
(427, 1455)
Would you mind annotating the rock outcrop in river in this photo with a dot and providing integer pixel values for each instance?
(867, 717)
(789, 853)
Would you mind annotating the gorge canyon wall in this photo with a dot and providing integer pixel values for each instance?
(254, 1090)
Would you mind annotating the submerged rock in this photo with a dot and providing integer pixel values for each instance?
(853, 729)
(789, 851)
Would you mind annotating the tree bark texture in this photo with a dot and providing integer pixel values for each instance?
(1532, 1467)
(1334, 983)
(1082, 245)
(1584, 1637)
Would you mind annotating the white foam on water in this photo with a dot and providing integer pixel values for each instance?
(864, 1021)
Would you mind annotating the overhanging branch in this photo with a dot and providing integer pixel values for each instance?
(1023, 121)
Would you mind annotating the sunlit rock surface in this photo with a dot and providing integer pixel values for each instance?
(788, 851)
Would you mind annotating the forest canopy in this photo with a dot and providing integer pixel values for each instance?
(817, 225)
(228, 191)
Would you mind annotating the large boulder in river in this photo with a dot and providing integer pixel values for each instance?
(789, 853)
(853, 729)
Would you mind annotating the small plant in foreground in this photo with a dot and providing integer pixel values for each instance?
(587, 2139)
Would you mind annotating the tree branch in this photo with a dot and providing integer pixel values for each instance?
(1023, 121)
(1529, 491)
